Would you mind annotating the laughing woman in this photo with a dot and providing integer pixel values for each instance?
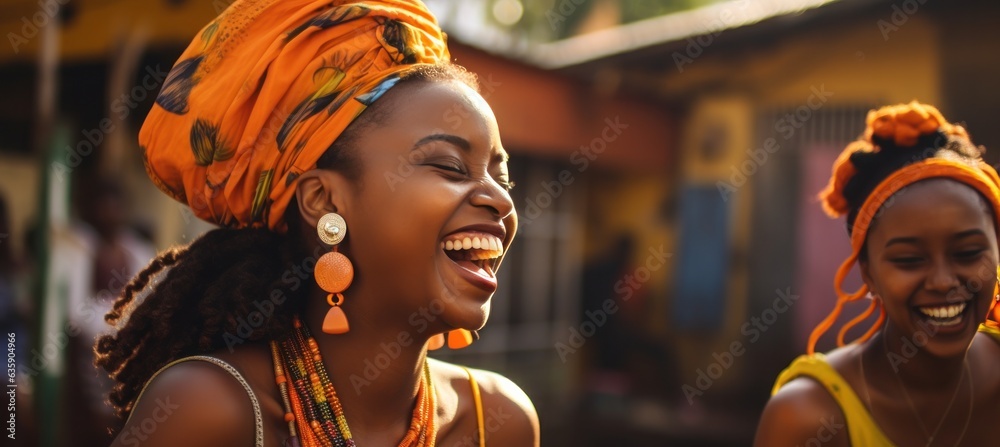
(360, 227)
(922, 211)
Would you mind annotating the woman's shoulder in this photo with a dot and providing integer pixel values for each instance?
(803, 409)
(191, 403)
(988, 336)
(984, 358)
(509, 418)
(836, 366)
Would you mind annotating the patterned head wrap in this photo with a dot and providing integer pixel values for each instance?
(896, 136)
(265, 89)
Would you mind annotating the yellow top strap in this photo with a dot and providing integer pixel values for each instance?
(479, 407)
(860, 425)
(991, 331)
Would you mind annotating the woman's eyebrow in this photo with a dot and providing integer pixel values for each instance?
(455, 140)
(968, 233)
(914, 240)
(901, 240)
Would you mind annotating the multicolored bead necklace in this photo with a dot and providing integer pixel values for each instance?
(312, 410)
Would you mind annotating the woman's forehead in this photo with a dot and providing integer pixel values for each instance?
(933, 203)
(420, 107)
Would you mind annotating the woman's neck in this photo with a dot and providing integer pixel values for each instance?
(376, 370)
(913, 366)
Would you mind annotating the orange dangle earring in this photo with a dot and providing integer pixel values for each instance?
(334, 272)
(457, 339)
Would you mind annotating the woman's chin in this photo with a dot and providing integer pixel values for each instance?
(944, 344)
(469, 317)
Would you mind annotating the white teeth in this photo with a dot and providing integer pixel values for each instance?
(943, 312)
(491, 246)
(956, 309)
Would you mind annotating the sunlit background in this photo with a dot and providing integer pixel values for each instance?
(671, 259)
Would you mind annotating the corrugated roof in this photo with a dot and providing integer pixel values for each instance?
(662, 30)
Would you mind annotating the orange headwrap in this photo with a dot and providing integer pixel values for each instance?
(903, 124)
(265, 89)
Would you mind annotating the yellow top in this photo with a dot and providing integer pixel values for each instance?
(862, 428)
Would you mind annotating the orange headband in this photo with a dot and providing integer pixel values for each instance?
(886, 124)
(984, 180)
(265, 89)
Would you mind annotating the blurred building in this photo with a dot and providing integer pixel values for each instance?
(583, 156)
(766, 95)
(671, 258)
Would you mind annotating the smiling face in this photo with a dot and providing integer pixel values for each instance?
(428, 212)
(932, 259)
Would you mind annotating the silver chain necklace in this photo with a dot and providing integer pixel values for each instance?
(913, 409)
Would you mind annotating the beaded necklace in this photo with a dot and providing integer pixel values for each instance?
(313, 411)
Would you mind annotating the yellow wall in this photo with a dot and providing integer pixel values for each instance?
(734, 113)
(19, 179)
(851, 60)
(99, 24)
(633, 204)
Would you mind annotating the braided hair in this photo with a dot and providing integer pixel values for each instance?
(895, 137)
(197, 306)
(891, 141)
(201, 298)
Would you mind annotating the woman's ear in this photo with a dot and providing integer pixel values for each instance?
(866, 276)
(321, 191)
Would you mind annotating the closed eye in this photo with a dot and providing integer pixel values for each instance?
(448, 167)
(907, 260)
(970, 254)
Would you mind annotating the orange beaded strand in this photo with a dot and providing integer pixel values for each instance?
(313, 410)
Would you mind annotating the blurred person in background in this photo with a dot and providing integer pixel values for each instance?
(362, 191)
(102, 252)
(14, 317)
(609, 379)
(922, 211)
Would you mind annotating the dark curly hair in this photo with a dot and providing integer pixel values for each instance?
(875, 166)
(894, 137)
(198, 298)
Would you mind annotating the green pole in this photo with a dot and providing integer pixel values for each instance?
(52, 292)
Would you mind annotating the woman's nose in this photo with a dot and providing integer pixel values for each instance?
(942, 278)
(493, 196)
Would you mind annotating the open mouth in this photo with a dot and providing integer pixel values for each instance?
(946, 315)
(474, 251)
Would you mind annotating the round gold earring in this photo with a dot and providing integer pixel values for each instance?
(334, 272)
(332, 228)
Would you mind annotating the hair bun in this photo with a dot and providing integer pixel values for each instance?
(904, 124)
(891, 128)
